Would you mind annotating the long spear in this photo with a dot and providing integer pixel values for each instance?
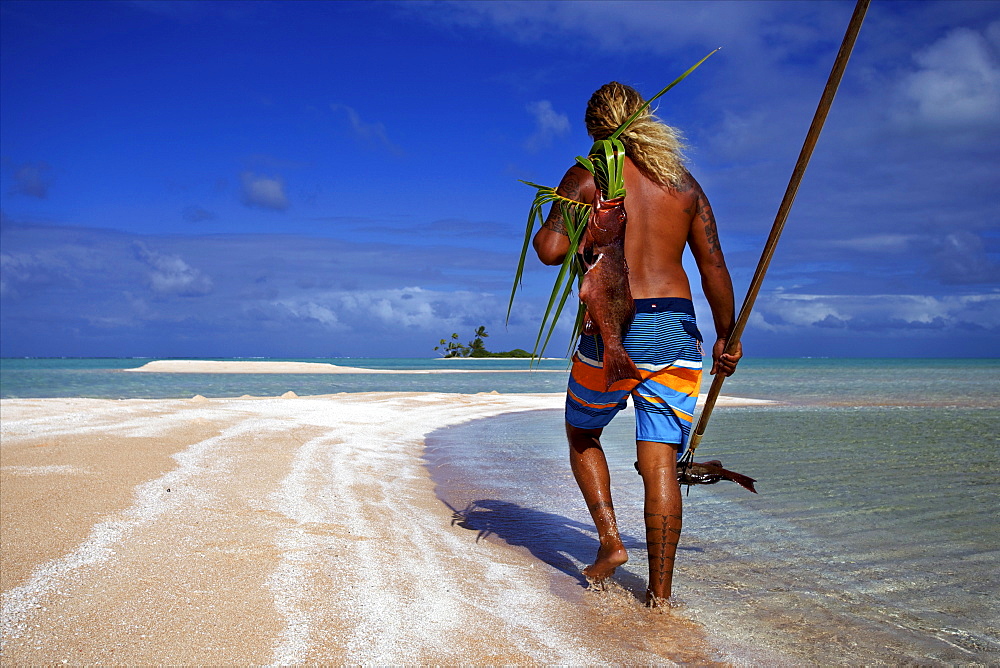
(839, 65)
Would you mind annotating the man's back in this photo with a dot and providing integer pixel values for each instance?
(661, 220)
(659, 224)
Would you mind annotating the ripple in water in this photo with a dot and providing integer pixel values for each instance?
(874, 538)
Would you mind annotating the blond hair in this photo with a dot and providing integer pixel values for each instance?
(654, 147)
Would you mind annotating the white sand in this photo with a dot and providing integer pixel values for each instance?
(209, 366)
(275, 530)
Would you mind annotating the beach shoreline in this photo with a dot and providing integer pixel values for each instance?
(241, 366)
(271, 530)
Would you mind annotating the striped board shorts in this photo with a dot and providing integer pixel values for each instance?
(665, 344)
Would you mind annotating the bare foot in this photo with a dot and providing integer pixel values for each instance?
(609, 557)
(654, 601)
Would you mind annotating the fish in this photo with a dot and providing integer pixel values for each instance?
(711, 472)
(605, 288)
(708, 473)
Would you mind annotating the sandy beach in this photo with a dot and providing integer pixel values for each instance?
(277, 531)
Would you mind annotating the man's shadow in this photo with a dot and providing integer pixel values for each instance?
(550, 538)
(465, 456)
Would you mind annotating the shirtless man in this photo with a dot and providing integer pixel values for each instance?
(667, 211)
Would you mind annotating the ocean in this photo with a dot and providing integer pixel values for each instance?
(875, 537)
(104, 379)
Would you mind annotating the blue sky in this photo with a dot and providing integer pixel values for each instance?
(341, 179)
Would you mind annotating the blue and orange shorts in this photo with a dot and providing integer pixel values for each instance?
(665, 345)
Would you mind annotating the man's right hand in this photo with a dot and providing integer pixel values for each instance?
(723, 362)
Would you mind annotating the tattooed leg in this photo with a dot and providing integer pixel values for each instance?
(590, 468)
(658, 467)
(662, 534)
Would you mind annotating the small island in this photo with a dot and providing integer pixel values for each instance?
(451, 348)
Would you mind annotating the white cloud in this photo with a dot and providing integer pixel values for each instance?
(20, 272)
(800, 310)
(310, 310)
(957, 82)
(12, 270)
(264, 192)
(742, 134)
(369, 132)
(628, 26)
(171, 275)
(548, 124)
(396, 308)
(879, 243)
(958, 257)
(782, 312)
(962, 259)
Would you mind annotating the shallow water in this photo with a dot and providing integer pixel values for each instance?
(830, 382)
(105, 379)
(874, 537)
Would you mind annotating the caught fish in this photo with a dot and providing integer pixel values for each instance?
(605, 288)
(708, 473)
(711, 472)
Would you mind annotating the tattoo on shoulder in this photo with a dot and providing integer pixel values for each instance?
(554, 221)
(569, 188)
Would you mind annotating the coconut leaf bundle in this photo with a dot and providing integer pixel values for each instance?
(606, 162)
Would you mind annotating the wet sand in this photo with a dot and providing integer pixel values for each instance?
(277, 530)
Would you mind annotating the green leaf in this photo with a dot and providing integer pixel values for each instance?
(576, 274)
(607, 161)
(545, 195)
(570, 274)
(628, 121)
(532, 213)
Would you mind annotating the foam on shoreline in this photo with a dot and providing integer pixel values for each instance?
(266, 530)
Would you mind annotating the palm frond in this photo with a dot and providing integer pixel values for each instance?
(544, 195)
(575, 215)
(635, 115)
(606, 162)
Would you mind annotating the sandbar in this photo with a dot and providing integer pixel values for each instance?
(211, 366)
(280, 530)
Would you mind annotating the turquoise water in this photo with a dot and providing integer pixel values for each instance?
(874, 538)
(833, 382)
(105, 379)
(854, 382)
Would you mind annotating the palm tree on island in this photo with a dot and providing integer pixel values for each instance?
(449, 348)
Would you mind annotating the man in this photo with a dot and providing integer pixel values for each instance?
(666, 211)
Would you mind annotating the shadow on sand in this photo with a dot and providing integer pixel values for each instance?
(553, 539)
(484, 459)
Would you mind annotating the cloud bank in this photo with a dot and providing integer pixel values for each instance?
(957, 81)
(284, 295)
